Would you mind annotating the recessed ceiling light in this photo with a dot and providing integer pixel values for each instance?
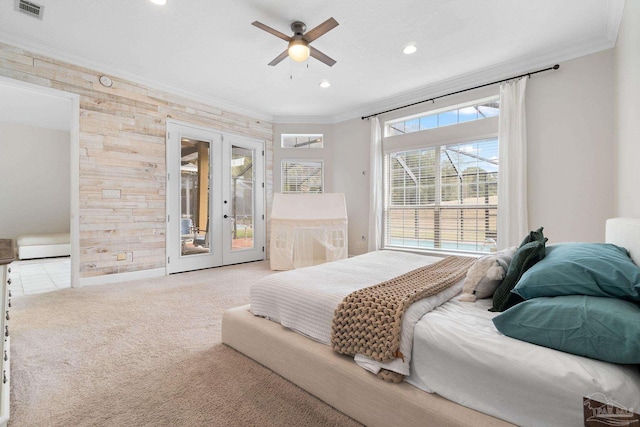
(409, 49)
(325, 84)
(160, 2)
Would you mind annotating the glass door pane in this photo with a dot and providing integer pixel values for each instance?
(242, 198)
(194, 192)
(243, 228)
(194, 198)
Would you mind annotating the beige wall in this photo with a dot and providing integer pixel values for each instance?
(570, 149)
(122, 147)
(36, 184)
(627, 112)
(351, 177)
(346, 162)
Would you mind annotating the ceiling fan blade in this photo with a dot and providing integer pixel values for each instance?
(325, 27)
(278, 59)
(321, 56)
(271, 30)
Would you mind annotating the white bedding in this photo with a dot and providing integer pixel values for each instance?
(305, 300)
(463, 358)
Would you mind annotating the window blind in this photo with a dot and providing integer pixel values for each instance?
(442, 197)
(302, 176)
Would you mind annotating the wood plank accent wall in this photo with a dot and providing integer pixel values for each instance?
(122, 152)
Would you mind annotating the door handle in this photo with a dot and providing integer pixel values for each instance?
(226, 216)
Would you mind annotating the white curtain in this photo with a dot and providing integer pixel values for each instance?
(375, 187)
(513, 222)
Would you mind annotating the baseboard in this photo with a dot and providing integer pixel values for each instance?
(122, 277)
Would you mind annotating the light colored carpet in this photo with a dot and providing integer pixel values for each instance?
(147, 353)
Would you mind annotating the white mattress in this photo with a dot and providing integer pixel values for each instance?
(463, 358)
(305, 300)
(43, 245)
(43, 239)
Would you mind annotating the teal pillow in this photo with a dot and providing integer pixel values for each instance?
(596, 269)
(525, 257)
(600, 328)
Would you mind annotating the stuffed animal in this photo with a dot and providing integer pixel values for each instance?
(485, 275)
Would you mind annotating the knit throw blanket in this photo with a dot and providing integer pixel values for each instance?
(368, 321)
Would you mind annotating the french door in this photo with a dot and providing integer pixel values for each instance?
(215, 198)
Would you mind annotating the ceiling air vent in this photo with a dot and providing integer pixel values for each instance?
(29, 8)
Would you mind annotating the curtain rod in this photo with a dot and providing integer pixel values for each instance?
(555, 67)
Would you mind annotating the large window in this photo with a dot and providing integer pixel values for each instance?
(302, 176)
(441, 188)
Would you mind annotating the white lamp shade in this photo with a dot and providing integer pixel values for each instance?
(298, 50)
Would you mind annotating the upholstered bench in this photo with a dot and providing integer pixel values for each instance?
(43, 245)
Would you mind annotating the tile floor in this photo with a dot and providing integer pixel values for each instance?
(35, 276)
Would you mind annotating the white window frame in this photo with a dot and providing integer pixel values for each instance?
(465, 132)
(283, 181)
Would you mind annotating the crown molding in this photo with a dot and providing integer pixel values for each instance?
(614, 13)
(102, 68)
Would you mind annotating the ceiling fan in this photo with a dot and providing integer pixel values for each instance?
(299, 49)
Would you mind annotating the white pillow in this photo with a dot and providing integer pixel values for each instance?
(485, 275)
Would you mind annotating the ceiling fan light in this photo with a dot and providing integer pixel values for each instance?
(298, 50)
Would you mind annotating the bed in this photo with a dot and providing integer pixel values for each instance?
(474, 375)
(43, 245)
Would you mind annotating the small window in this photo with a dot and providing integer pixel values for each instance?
(302, 176)
(302, 140)
(479, 110)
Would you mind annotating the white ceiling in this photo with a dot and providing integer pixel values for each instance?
(208, 50)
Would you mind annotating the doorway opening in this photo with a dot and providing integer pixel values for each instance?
(45, 124)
